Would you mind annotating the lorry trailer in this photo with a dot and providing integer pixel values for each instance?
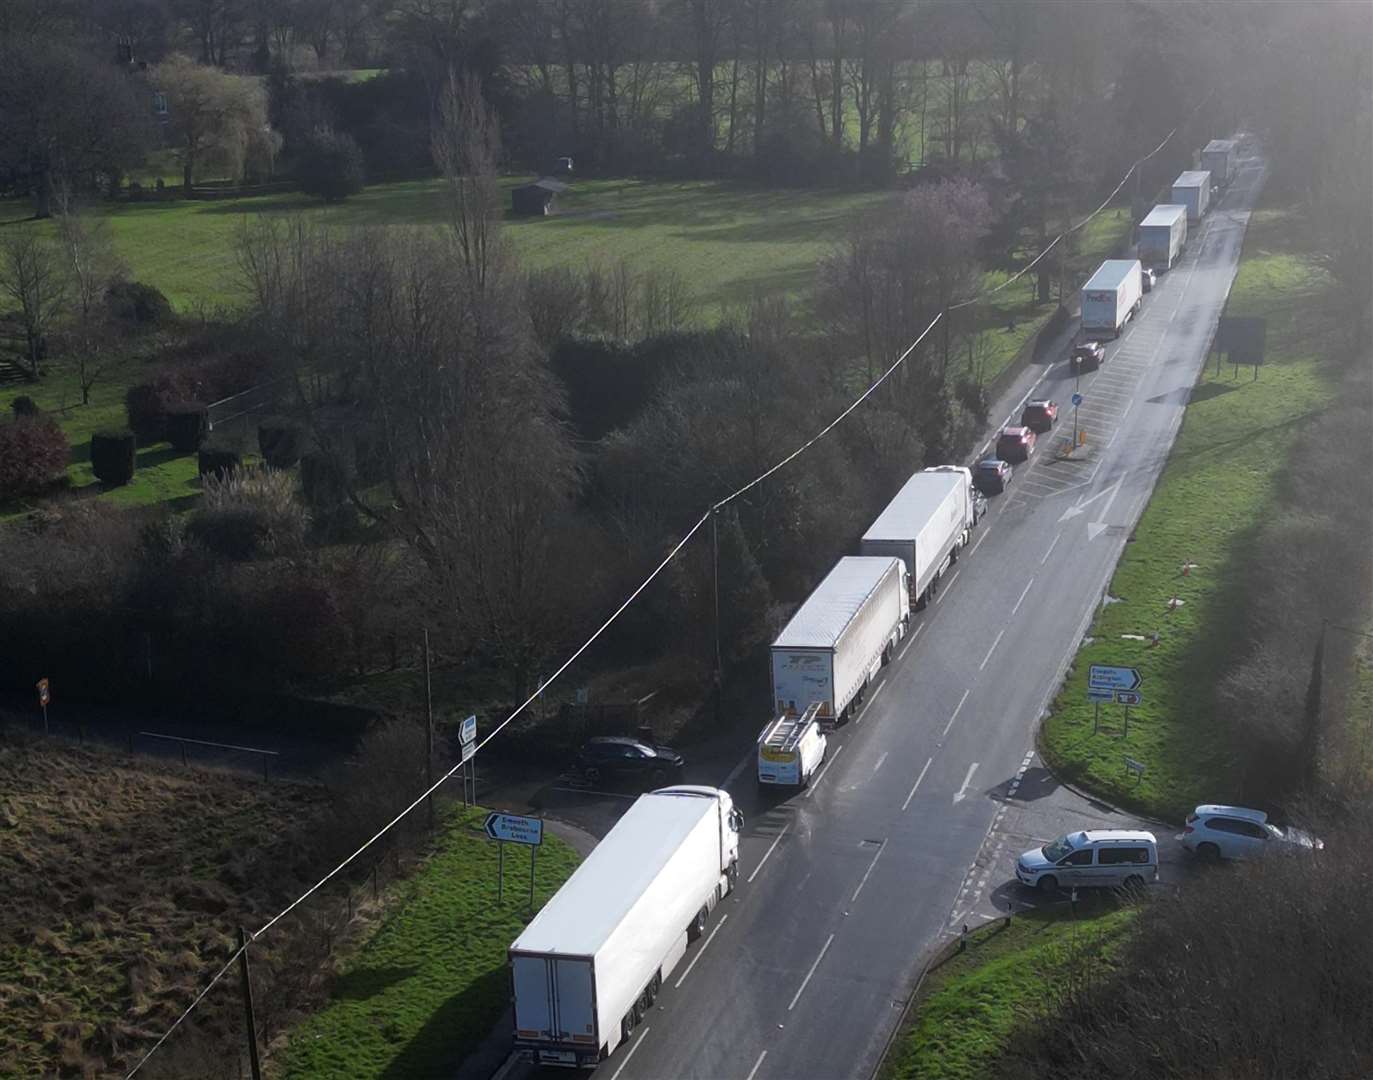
(1218, 158)
(924, 526)
(1193, 190)
(590, 965)
(1111, 296)
(1162, 234)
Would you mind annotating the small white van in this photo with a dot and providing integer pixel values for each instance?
(1102, 858)
(791, 749)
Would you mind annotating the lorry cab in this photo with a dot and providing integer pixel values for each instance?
(791, 749)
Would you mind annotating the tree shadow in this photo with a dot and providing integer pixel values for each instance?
(360, 984)
(154, 456)
(1208, 390)
(463, 1020)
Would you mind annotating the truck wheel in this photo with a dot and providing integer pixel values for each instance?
(698, 925)
(732, 875)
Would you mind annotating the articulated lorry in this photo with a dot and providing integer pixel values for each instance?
(924, 526)
(1111, 296)
(590, 965)
(1219, 160)
(840, 637)
(1193, 190)
(1162, 235)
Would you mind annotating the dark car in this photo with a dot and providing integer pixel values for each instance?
(1088, 356)
(1039, 416)
(1015, 444)
(992, 475)
(613, 759)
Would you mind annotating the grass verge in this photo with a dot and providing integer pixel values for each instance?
(1218, 485)
(432, 981)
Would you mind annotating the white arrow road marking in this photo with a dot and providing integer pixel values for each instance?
(638, 1043)
(700, 952)
(806, 981)
(963, 791)
(756, 1065)
(1082, 504)
(916, 784)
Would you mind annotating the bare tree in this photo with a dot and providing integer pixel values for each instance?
(92, 266)
(34, 277)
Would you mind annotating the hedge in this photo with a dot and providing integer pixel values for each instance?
(33, 454)
(218, 461)
(281, 441)
(187, 424)
(113, 456)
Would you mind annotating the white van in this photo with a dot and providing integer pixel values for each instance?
(1102, 858)
(791, 749)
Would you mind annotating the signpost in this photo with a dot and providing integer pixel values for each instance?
(43, 698)
(515, 829)
(467, 738)
(1077, 400)
(1136, 767)
(1109, 682)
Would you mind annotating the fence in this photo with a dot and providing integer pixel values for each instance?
(231, 419)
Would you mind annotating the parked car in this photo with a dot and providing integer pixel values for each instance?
(1215, 832)
(615, 758)
(1039, 415)
(992, 475)
(1015, 444)
(1148, 279)
(1102, 858)
(1088, 356)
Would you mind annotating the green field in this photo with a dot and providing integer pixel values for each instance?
(432, 981)
(1007, 976)
(1219, 484)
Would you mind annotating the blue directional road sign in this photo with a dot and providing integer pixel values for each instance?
(1128, 697)
(1100, 695)
(1077, 399)
(516, 829)
(1109, 677)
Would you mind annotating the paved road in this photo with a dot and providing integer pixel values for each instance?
(931, 792)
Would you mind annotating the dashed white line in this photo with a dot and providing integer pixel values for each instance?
(756, 1065)
(816, 782)
(915, 785)
(945, 588)
(957, 709)
(701, 952)
(915, 634)
(1050, 551)
(881, 848)
(977, 545)
(1022, 596)
(806, 981)
(880, 760)
(880, 687)
(734, 773)
(776, 840)
(637, 1043)
(992, 649)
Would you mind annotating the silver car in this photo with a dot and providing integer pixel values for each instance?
(1214, 832)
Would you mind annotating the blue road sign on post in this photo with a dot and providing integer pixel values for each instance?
(1128, 697)
(1100, 695)
(1109, 677)
(514, 828)
(1077, 399)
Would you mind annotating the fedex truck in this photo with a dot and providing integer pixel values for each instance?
(1111, 296)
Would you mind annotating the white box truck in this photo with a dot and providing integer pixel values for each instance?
(924, 526)
(590, 965)
(840, 637)
(1162, 234)
(791, 749)
(1218, 158)
(1193, 190)
(1111, 296)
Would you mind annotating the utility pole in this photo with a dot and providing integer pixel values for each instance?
(429, 737)
(715, 571)
(253, 1060)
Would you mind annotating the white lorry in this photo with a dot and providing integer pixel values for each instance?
(791, 749)
(1193, 190)
(590, 965)
(1111, 296)
(924, 526)
(840, 637)
(1218, 158)
(1162, 234)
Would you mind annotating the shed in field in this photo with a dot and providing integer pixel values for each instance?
(536, 199)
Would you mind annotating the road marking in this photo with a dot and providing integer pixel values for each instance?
(638, 1043)
(992, 649)
(917, 783)
(963, 791)
(593, 791)
(1022, 596)
(957, 709)
(881, 848)
(945, 588)
(879, 761)
(754, 1071)
(902, 654)
(815, 783)
(1050, 551)
(828, 942)
(776, 840)
(734, 773)
(977, 545)
(700, 952)
(1082, 504)
(880, 687)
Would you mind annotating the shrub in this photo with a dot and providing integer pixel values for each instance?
(281, 441)
(112, 456)
(330, 165)
(147, 404)
(324, 479)
(143, 412)
(187, 425)
(218, 461)
(135, 302)
(24, 405)
(33, 454)
(251, 512)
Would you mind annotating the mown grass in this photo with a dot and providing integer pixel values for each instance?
(432, 981)
(1219, 484)
(1007, 976)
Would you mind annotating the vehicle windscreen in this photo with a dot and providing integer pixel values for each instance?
(1057, 849)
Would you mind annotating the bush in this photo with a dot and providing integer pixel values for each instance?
(187, 425)
(330, 165)
(324, 480)
(251, 512)
(24, 405)
(135, 302)
(281, 441)
(112, 456)
(212, 379)
(144, 415)
(218, 462)
(33, 454)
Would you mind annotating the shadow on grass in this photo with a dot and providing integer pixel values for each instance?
(1208, 390)
(364, 983)
(454, 1029)
(154, 456)
(1253, 437)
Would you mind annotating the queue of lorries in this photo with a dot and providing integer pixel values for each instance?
(590, 965)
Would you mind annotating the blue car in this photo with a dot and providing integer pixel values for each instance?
(992, 475)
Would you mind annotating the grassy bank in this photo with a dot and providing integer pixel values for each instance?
(1009, 974)
(432, 981)
(1218, 486)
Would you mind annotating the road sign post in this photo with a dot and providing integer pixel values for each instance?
(500, 868)
(516, 829)
(467, 738)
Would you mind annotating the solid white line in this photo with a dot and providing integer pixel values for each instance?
(1050, 551)
(806, 980)
(945, 588)
(776, 840)
(593, 791)
(880, 687)
(914, 634)
(754, 1071)
(992, 649)
(880, 761)
(881, 848)
(979, 540)
(734, 773)
(1022, 596)
(963, 791)
(638, 1043)
(917, 783)
(700, 952)
(815, 783)
(957, 710)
